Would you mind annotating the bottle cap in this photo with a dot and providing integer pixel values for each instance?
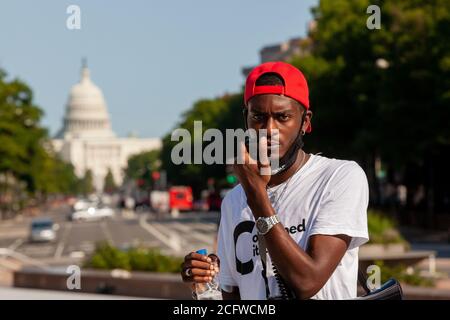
(202, 252)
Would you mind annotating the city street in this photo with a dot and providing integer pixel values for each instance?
(76, 240)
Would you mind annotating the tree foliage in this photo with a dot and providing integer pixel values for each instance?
(109, 185)
(27, 160)
(140, 167)
(220, 113)
(364, 110)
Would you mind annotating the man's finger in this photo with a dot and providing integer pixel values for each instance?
(197, 256)
(214, 258)
(263, 157)
(202, 272)
(198, 264)
(202, 279)
(247, 156)
(264, 163)
(242, 156)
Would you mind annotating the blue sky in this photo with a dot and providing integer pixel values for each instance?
(152, 59)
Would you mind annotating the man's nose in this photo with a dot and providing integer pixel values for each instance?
(271, 127)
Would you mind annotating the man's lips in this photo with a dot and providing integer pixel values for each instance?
(273, 150)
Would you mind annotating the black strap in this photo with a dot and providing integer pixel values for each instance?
(362, 280)
(262, 255)
(286, 293)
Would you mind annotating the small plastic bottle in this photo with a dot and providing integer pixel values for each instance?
(209, 290)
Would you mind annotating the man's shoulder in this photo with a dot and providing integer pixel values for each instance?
(333, 166)
(235, 195)
(233, 203)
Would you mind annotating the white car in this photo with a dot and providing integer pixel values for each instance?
(83, 205)
(104, 212)
(43, 230)
(92, 213)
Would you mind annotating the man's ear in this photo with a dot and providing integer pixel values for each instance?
(308, 116)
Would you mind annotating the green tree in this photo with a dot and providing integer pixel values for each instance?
(363, 109)
(221, 113)
(87, 183)
(395, 111)
(377, 101)
(21, 136)
(68, 182)
(109, 184)
(140, 167)
(54, 176)
(28, 167)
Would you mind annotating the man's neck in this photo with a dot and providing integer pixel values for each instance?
(300, 161)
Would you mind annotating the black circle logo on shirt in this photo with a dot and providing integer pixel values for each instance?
(243, 227)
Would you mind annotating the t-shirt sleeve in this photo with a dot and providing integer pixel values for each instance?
(343, 209)
(225, 246)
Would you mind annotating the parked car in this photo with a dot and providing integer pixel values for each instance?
(43, 230)
(91, 213)
(83, 204)
(104, 212)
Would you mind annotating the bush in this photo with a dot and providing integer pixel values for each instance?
(383, 229)
(400, 272)
(108, 257)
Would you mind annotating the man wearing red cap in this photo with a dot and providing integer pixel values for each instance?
(293, 233)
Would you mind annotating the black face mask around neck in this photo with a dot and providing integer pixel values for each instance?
(290, 156)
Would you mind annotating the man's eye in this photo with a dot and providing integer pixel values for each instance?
(283, 117)
(257, 117)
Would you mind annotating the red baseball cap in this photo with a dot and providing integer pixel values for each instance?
(295, 85)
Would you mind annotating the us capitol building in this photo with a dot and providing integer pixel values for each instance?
(86, 139)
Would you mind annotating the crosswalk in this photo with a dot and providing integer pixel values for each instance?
(180, 237)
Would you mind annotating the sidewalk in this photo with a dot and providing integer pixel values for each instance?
(7, 293)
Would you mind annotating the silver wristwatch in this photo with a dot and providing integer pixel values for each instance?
(264, 224)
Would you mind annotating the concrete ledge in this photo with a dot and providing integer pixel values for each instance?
(153, 285)
(133, 284)
(423, 293)
(7, 293)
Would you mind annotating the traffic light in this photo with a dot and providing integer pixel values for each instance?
(231, 179)
(156, 175)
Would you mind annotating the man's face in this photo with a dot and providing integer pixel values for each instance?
(271, 111)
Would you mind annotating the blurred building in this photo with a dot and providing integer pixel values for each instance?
(285, 51)
(87, 140)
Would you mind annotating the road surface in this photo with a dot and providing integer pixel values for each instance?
(76, 240)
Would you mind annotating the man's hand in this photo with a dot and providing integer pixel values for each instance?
(250, 174)
(198, 268)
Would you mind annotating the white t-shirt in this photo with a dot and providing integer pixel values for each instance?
(326, 196)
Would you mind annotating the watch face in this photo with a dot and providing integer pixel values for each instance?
(262, 225)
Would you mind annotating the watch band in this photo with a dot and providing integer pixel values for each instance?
(271, 221)
(274, 220)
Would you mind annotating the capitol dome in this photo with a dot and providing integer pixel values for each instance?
(86, 110)
(87, 141)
